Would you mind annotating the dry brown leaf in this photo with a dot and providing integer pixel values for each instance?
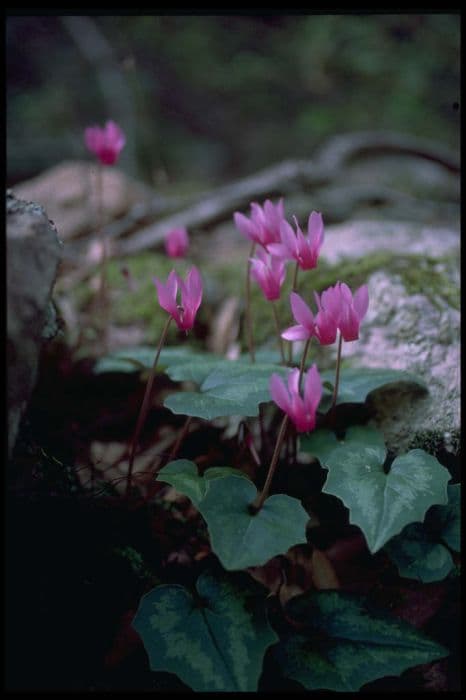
(323, 573)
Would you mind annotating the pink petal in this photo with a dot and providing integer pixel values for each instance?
(301, 311)
(361, 301)
(288, 238)
(279, 393)
(245, 226)
(312, 389)
(278, 250)
(315, 230)
(296, 333)
(293, 382)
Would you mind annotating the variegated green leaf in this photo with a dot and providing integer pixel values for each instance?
(380, 504)
(214, 641)
(417, 556)
(419, 551)
(346, 645)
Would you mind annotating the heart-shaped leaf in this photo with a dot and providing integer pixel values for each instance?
(419, 552)
(142, 357)
(240, 539)
(380, 504)
(183, 476)
(357, 383)
(214, 641)
(222, 496)
(346, 645)
(417, 556)
(231, 389)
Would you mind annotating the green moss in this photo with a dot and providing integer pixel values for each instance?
(134, 301)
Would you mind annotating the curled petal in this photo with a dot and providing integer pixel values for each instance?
(361, 301)
(293, 381)
(245, 226)
(296, 333)
(301, 311)
(279, 393)
(288, 238)
(315, 229)
(167, 293)
(312, 389)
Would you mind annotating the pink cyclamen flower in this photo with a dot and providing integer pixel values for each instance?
(183, 314)
(304, 316)
(176, 242)
(352, 310)
(300, 410)
(328, 315)
(269, 273)
(106, 143)
(264, 225)
(295, 246)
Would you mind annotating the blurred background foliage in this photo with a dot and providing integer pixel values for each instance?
(205, 99)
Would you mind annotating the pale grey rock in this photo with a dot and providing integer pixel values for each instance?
(33, 255)
(354, 239)
(409, 332)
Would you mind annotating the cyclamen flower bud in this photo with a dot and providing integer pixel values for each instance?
(177, 242)
(105, 143)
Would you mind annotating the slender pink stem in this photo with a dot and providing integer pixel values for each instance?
(337, 374)
(259, 502)
(102, 294)
(249, 326)
(303, 361)
(145, 407)
(181, 436)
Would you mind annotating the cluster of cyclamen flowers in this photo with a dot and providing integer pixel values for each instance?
(337, 308)
(277, 243)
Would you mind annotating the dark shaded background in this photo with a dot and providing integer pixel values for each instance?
(204, 99)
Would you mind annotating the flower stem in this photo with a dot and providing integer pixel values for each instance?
(259, 502)
(303, 360)
(337, 374)
(145, 407)
(293, 289)
(102, 293)
(295, 278)
(181, 436)
(249, 329)
(277, 326)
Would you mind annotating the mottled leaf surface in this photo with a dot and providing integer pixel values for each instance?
(380, 504)
(419, 551)
(214, 641)
(417, 556)
(346, 645)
